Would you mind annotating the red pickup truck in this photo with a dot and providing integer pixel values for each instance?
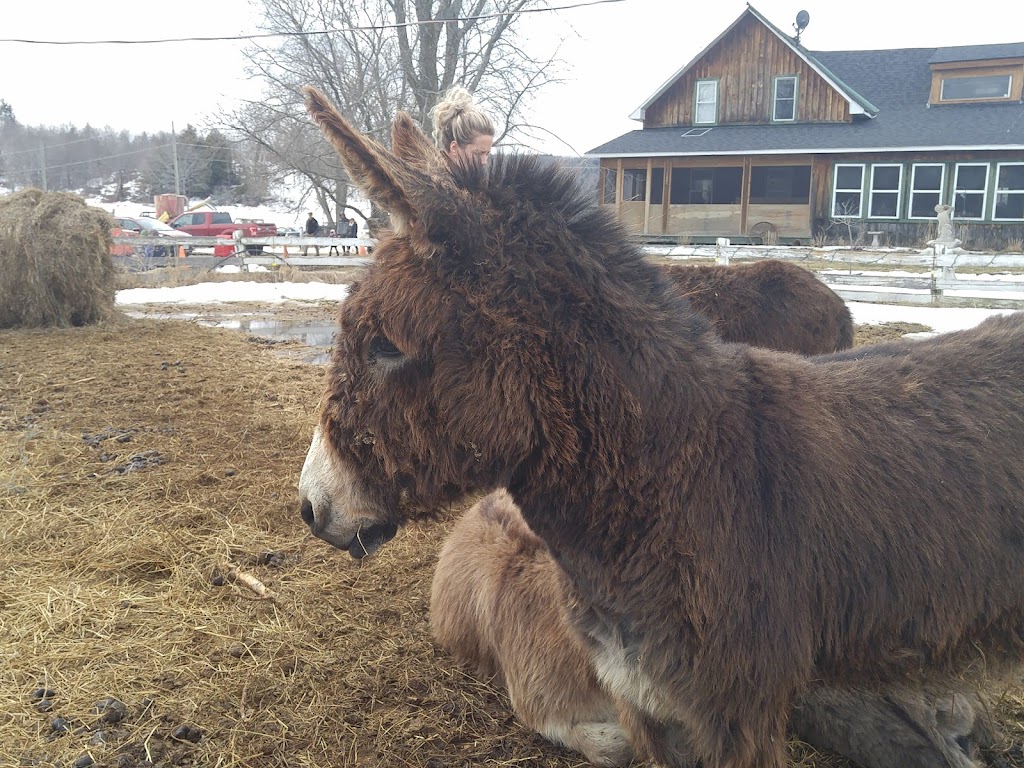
(220, 224)
(216, 223)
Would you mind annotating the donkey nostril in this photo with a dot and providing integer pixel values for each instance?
(306, 510)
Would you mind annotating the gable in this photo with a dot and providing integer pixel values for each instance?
(745, 63)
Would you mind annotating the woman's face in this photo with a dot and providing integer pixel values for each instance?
(477, 150)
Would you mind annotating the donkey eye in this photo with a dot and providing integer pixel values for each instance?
(381, 349)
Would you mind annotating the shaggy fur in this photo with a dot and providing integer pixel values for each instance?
(735, 524)
(497, 602)
(772, 304)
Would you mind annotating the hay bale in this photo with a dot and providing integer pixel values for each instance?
(55, 265)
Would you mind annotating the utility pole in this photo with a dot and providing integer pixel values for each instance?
(174, 151)
(42, 167)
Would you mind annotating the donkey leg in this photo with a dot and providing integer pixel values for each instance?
(602, 743)
(965, 721)
(894, 727)
(666, 745)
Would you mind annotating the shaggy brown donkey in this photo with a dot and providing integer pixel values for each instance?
(772, 304)
(498, 605)
(737, 525)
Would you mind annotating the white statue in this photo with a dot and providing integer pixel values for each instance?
(944, 242)
(944, 214)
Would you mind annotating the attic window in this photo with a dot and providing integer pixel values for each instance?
(696, 132)
(976, 87)
(705, 108)
(784, 99)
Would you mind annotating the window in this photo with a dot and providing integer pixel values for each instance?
(784, 101)
(886, 181)
(706, 97)
(705, 186)
(976, 87)
(696, 132)
(1009, 191)
(780, 185)
(657, 185)
(925, 189)
(634, 184)
(848, 191)
(220, 218)
(608, 187)
(969, 188)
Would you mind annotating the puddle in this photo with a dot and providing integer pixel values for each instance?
(315, 334)
(312, 333)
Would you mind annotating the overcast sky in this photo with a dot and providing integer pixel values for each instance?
(616, 54)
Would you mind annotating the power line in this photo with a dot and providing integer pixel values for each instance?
(85, 162)
(52, 146)
(48, 147)
(25, 171)
(332, 31)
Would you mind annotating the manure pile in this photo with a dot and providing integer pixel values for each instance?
(145, 466)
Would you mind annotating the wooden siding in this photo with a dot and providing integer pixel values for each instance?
(631, 215)
(745, 63)
(704, 220)
(788, 220)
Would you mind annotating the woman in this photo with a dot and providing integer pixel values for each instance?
(463, 131)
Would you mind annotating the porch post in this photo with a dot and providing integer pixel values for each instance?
(744, 196)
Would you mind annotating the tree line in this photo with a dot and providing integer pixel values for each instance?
(89, 159)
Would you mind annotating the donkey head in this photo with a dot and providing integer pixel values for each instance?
(457, 363)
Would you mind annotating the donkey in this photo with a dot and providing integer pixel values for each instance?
(737, 526)
(497, 605)
(769, 303)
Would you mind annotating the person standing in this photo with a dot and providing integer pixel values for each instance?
(312, 228)
(462, 131)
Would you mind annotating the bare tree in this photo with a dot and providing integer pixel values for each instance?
(373, 58)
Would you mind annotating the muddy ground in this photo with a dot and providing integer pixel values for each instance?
(141, 461)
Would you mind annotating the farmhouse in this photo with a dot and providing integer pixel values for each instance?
(760, 139)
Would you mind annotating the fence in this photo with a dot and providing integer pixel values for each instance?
(258, 250)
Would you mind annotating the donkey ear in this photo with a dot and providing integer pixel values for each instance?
(411, 145)
(368, 163)
(409, 192)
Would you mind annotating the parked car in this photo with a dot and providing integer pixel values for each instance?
(148, 228)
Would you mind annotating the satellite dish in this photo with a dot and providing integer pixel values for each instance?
(802, 20)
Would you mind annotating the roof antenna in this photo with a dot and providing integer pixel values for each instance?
(802, 20)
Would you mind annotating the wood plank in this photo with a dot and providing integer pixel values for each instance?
(788, 220)
(704, 220)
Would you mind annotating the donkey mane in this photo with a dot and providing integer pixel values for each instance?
(555, 192)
